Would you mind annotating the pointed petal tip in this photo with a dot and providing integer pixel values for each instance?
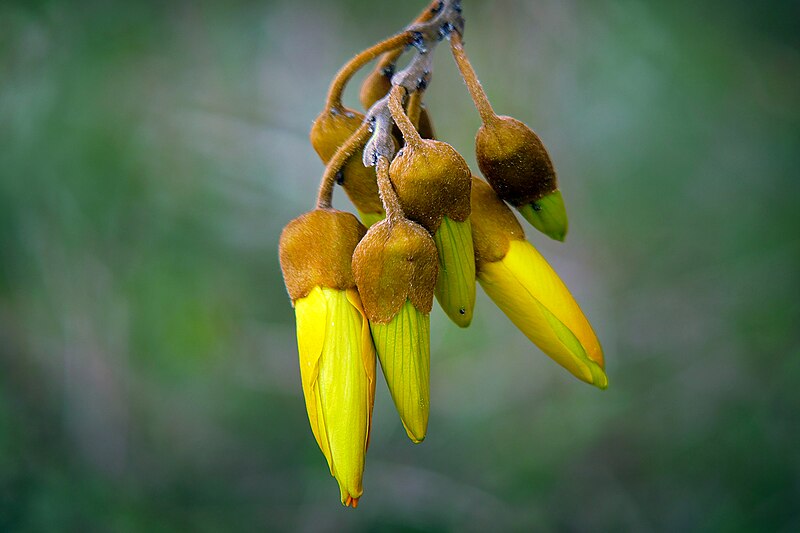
(462, 318)
(548, 215)
(417, 435)
(600, 378)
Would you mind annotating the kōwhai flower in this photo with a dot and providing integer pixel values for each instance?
(337, 357)
(395, 268)
(518, 279)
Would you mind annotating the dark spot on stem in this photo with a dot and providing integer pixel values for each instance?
(418, 42)
(388, 70)
(445, 30)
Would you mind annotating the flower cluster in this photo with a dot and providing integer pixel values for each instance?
(428, 228)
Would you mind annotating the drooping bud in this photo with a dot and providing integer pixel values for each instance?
(518, 167)
(432, 181)
(337, 357)
(519, 280)
(330, 130)
(395, 268)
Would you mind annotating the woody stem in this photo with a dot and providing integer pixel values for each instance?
(428, 13)
(471, 79)
(345, 152)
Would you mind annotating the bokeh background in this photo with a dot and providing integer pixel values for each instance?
(150, 153)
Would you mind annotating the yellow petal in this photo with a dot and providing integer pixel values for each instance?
(455, 286)
(403, 347)
(337, 362)
(311, 314)
(532, 295)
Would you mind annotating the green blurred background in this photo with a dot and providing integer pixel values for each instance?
(150, 153)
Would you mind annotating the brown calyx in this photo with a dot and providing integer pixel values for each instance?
(514, 161)
(494, 225)
(394, 262)
(432, 180)
(316, 249)
(330, 130)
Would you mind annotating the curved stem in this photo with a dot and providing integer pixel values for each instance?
(414, 108)
(410, 133)
(334, 100)
(345, 152)
(471, 79)
(389, 198)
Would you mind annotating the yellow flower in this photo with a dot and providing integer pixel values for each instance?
(519, 280)
(395, 267)
(337, 368)
(337, 357)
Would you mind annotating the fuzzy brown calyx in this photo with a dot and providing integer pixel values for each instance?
(316, 249)
(432, 181)
(494, 225)
(514, 161)
(330, 130)
(394, 262)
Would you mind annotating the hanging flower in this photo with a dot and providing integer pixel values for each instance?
(521, 283)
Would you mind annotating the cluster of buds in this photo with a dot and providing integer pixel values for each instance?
(428, 228)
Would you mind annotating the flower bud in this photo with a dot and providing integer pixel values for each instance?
(518, 279)
(330, 130)
(395, 267)
(518, 167)
(433, 183)
(337, 357)
(432, 180)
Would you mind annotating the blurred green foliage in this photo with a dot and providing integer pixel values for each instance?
(151, 152)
